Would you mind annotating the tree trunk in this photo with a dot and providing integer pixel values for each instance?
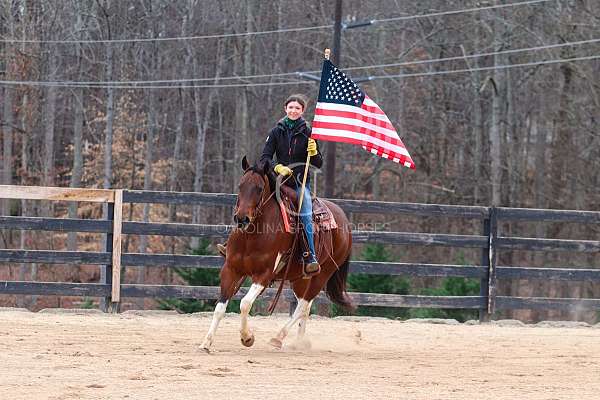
(176, 166)
(516, 150)
(108, 138)
(77, 171)
(7, 121)
(276, 54)
(27, 128)
(49, 118)
(7, 130)
(494, 138)
(155, 66)
(201, 127)
(152, 127)
(477, 127)
(540, 134)
(110, 116)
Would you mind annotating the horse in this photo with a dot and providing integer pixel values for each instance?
(254, 248)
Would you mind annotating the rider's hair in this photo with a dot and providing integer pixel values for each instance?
(300, 98)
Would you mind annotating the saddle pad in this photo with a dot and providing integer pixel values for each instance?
(323, 219)
(322, 216)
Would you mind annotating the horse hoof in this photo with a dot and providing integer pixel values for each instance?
(276, 343)
(205, 349)
(248, 342)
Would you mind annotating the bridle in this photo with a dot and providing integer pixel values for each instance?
(262, 202)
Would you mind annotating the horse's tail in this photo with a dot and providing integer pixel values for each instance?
(336, 286)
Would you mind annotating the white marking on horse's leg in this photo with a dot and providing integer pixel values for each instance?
(302, 308)
(217, 316)
(303, 319)
(245, 307)
(277, 259)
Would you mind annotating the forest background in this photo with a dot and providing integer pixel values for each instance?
(96, 94)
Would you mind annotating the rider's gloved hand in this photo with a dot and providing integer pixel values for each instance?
(282, 170)
(312, 147)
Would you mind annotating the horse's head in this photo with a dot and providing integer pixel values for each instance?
(252, 192)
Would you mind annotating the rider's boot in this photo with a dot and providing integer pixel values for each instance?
(312, 266)
(222, 248)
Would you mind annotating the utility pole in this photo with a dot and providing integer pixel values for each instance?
(335, 58)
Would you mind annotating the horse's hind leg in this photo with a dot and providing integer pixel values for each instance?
(301, 312)
(306, 291)
(302, 322)
(229, 280)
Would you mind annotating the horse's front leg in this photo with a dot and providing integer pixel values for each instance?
(246, 336)
(229, 280)
(217, 317)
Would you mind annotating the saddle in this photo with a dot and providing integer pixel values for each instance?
(322, 217)
(323, 221)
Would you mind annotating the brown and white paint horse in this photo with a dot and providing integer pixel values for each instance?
(252, 250)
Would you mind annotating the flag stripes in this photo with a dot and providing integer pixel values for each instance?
(346, 114)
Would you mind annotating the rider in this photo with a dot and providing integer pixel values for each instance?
(289, 140)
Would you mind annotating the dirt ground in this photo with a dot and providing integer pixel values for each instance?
(79, 355)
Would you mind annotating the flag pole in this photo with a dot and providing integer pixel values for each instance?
(327, 53)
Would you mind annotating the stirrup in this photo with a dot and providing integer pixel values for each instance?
(311, 269)
(222, 249)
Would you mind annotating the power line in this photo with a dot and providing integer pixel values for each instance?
(288, 74)
(467, 10)
(284, 30)
(468, 56)
(183, 80)
(169, 39)
(75, 85)
(457, 71)
(410, 75)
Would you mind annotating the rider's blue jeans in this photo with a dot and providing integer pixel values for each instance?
(306, 217)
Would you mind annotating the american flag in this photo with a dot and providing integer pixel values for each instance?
(346, 114)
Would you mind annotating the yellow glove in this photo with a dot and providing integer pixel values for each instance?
(312, 147)
(282, 170)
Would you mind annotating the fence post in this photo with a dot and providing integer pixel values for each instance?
(116, 251)
(493, 256)
(484, 316)
(106, 270)
(487, 287)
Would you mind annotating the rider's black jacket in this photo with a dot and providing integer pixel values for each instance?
(288, 145)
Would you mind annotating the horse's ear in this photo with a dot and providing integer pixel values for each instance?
(245, 164)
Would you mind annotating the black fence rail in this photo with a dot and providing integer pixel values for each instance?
(110, 288)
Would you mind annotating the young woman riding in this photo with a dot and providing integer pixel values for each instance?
(289, 141)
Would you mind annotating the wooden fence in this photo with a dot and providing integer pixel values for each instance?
(110, 288)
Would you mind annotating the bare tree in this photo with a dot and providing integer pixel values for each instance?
(79, 110)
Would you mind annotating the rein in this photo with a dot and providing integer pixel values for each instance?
(261, 204)
(259, 208)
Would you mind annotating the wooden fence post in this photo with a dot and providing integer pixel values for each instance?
(116, 251)
(484, 316)
(493, 256)
(106, 270)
